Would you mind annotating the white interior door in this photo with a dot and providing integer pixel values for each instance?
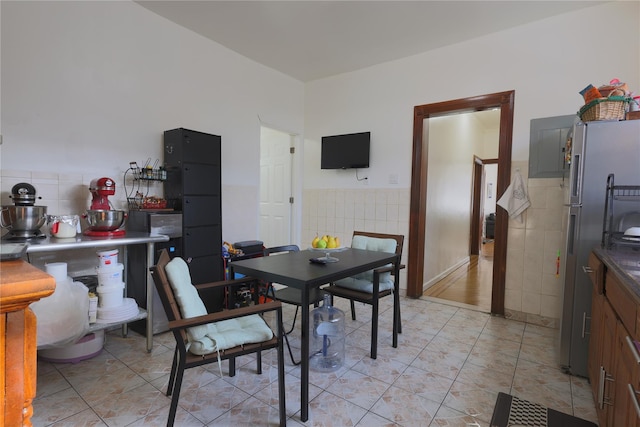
(276, 160)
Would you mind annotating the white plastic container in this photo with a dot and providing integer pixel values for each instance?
(110, 296)
(63, 226)
(110, 275)
(58, 270)
(108, 258)
(93, 307)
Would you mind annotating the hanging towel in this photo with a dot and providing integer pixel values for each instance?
(515, 199)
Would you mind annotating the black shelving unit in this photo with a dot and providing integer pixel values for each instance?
(615, 195)
(192, 161)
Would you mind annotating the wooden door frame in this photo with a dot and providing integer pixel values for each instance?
(475, 229)
(477, 195)
(418, 204)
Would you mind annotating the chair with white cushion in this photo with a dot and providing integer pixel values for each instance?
(370, 286)
(203, 338)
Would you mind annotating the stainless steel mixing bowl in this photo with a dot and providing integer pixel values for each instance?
(105, 220)
(20, 219)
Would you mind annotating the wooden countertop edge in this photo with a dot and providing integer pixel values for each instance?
(21, 284)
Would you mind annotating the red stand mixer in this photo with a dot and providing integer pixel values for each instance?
(103, 220)
(100, 188)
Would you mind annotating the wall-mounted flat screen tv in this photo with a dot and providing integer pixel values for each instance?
(345, 151)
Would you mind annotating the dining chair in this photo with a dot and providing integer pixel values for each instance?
(291, 295)
(370, 286)
(203, 338)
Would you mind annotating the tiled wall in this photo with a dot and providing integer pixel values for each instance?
(61, 193)
(339, 212)
(533, 289)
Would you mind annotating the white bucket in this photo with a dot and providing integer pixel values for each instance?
(108, 258)
(110, 275)
(58, 270)
(110, 295)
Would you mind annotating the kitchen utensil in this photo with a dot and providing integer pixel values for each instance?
(105, 220)
(632, 232)
(23, 220)
(629, 219)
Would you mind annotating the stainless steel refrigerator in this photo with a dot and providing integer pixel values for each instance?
(598, 148)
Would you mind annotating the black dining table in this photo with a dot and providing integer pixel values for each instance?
(294, 269)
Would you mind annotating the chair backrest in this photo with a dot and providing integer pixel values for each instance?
(399, 238)
(165, 292)
(280, 249)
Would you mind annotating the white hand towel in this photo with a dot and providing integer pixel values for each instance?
(515, 199)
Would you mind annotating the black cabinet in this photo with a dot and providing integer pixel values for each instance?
(192, 160)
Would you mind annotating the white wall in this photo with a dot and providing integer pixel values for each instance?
(547, 63)
(88, 87)
(453, 142)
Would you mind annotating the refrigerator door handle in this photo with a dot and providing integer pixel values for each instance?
(576, 179)
(584, 324)
(571, 232)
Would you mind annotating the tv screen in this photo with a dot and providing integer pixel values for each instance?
(345, 151)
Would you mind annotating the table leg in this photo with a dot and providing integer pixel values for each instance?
(125, 258)
(150, 263)
(304, 362)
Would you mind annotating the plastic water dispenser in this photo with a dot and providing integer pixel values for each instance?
(326, 337)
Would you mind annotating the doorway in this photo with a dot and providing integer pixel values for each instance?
(276, 188)
(419, 194)
(469, 281)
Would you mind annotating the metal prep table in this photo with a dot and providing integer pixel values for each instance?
(53, 244)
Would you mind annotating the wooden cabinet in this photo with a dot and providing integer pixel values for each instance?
(627, 411)
(21, 284)
(614, 356)
(594, 361)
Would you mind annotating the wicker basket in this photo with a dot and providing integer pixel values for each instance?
(612, 108)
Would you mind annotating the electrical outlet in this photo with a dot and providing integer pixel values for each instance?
(393, 178)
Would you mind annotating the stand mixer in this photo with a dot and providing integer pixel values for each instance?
(103, 220)
(100, 189)
(24, 219)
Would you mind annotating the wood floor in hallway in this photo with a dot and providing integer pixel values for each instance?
(470, 283)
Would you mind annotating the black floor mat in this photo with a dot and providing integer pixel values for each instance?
(511, 411)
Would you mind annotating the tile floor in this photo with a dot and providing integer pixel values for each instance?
(450, 364)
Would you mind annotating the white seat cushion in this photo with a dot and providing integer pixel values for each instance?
(218, 336)
(363, 282)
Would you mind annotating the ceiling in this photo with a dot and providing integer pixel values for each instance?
(310, 40)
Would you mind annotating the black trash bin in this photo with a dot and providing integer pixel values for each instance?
(489, 226)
